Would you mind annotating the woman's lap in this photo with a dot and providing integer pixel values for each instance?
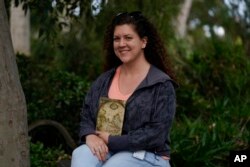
(83, 157)
(125, 159)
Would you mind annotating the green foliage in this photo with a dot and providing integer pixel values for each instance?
(72, 52)
(216, 69)
(207, 143)
(52, 94)
(213, 103)
(202, 143)
(40, 156)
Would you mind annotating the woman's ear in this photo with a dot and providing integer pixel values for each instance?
(144, 42)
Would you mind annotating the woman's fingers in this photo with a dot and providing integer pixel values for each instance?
(106, 149)
(92, 150)
(97, 147)
(100, 153)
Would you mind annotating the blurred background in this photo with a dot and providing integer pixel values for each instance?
(58, 44)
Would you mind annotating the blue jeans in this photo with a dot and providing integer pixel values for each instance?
(83, 157)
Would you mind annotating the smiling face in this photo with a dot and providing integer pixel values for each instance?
(128, 46)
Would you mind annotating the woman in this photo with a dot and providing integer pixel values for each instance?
(139, 74)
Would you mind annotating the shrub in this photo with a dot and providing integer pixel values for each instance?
(52, 94)
(40, 156)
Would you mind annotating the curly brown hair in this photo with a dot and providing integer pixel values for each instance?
(155, 52)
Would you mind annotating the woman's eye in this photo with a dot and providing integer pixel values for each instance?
(128, 38)
(115, 39)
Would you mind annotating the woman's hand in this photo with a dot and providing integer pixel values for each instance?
(103, 135)
(97, 146)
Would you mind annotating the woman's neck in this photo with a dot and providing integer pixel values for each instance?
(131, 76)
(135, 68)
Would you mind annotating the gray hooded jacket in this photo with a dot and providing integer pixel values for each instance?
(149, 113)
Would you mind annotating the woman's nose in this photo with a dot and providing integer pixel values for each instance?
(122, 42)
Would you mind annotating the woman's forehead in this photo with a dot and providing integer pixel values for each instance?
(125, 28)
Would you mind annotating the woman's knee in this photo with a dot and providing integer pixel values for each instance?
(83, 155)
(81, 150)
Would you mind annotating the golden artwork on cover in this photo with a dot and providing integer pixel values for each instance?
(110, 116)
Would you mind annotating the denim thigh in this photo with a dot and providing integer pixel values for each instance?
(126, 159)
(83, 157)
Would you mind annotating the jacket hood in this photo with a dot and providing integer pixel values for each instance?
(155, 76)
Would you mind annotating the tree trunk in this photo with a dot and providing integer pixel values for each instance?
(20, 29)
(14, 145)
(183, 15)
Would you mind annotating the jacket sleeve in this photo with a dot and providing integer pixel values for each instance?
(87, 121)
(90, 108)
(156, 132)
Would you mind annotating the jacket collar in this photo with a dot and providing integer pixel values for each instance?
(155, 76)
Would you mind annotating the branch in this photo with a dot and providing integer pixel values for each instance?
(58, 126)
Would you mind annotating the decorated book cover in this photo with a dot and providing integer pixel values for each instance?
(110, 116)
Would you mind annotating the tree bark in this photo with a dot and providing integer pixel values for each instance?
(20, 29)
(14, 145)
(183, 15)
